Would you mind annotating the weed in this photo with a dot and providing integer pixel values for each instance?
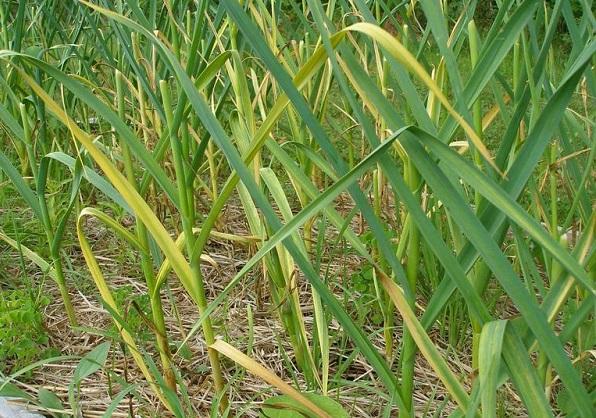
(23, 337)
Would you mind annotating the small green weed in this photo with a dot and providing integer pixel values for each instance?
(23, 338)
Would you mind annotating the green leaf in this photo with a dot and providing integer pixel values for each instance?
(50, 400)
(92, 362)
(11, 390)
(22, 187)
(489, 361)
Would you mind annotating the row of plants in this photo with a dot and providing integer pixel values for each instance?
(465, 152)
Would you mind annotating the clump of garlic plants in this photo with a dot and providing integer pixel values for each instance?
(450, 157)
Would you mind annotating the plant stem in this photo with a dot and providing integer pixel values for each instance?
(47, 223)
(408, 357)
(146, 260)
(198, 290)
